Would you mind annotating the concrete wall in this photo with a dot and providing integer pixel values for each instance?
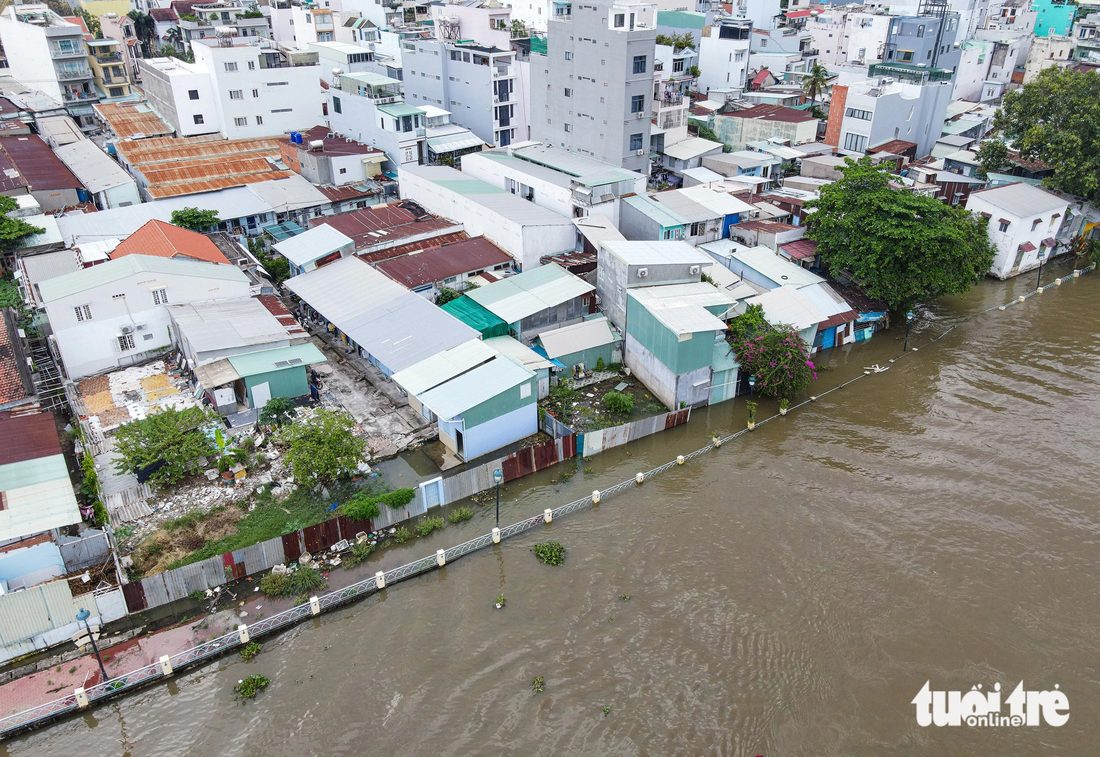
(671, 389)
(502, 430)
(723, 63)
(738, 132)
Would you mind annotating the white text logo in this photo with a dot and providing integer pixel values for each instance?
(976, 708)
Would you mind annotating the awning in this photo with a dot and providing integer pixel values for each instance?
(216, 374)
(1028, 247)
(1048, 242)
(453, 142)
(379, 157)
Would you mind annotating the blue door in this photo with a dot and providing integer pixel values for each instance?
(828, 337)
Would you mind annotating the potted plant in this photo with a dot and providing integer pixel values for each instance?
(752, 414)
(784, 405)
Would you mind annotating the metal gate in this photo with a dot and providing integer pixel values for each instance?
(431, 493)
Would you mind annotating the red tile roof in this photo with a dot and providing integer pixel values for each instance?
(895, 147)
(163, 14)
(36, 161)
(397, 221)
(36, 433)
(442, 262)
(799, 14)
(164, 240)
(12, 388)
(770, 113)
(761, 77)
(800, 249)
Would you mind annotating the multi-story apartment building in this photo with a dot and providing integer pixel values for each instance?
(241, 87)
(1086, 36)
(306, 23)
(1053, 16)
(870, 113)
(204, 20)
(783, 49)
(49, 54)
(121, 28)
(724, 54)
(486, 22)
(1047, 52)
(844, 36)
(927, 41)
(369, 108)
(112, 77)
(478, 85)
(591, 91)
(673, 76)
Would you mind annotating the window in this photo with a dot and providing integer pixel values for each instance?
(568, 92)
(125, 342)
(230, 66)
(635, 141)
(620, 20)
(864, 115)
(240, 121)
(281, 110)
(255, 93)
(920, 30)
(678, 65)
(115, 92)
(336, 105)
(193, 94)
(236, 94)
(568, 128)
(763, 43)
(855, 142)
(524, 391)
(637, 103)
(639, 64)
(1035, 223)
(1002, 226)
(568, 55)
(343, 170)
(83, 313)
(905, 56)
(160, 296)
(199, 119)
(698, 228)
(251, 65)
(276, 84)
(259, 120)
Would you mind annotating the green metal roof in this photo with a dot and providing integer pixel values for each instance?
(681, 19)
(469, 187)
(477, 317)
(400, 109)
(655, 210)
(283, 358)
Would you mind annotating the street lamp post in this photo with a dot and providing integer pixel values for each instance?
(83, 616)
(1042, 255)
(908, 322)
(752, 383)
(498, 479)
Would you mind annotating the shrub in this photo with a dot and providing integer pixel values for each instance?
(172, 439)
(250, 650)
(461, 515)
(401, 535)
(275, 585)
(618, 403)
(322, 448)
(194, 219)
(427, 525)
(277, 412)
(248, 688)
(305, 580)
(549, 553)
(779, 360)
(364, 507)
(446, 294)
(359, 553)
(601, 365)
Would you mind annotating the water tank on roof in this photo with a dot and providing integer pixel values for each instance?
(317, 144)
(295, 138)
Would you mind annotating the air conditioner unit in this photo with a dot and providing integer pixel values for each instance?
(127, 329)
(643, 272)
(639, 152)
(693, 270)
(140, 327)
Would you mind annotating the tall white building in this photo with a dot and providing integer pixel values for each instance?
(592, 90)
(241, 87)
(724, 54)
(870, 113)
(369, 108)
(47, 53)
(478, 85)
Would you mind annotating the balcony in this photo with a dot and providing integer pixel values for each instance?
(72, 97)
(109, 57)
(76, 52)
(670, 100)
(71, 74)
(810, 52)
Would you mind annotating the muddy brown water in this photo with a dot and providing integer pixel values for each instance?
(790, 594)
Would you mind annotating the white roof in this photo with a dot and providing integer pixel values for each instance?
(227, 324)
(692, 147)
(598, 229)
(701, 293)
(96, 170)
(517, 297)
(302, 249)
(432, 111)
(656, 252)
(824, 298)
(394, 325)
(128, 265)
(772, 266)
(682, 307)
(444, 366)
(702, 175)
(282, 195)
(719, 202)
(474, 387)
(730, 282)
(1021, 200)
(50, 233)
(520, 353)
(582, 336)
(38, 496)
(786, 305)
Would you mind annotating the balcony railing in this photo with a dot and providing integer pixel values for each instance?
(70, 97)
(669, 101)
(69, 74)
(811, 52)
(108, 57)
(79, 52)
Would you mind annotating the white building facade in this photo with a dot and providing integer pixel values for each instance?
(724, 55)
(1024, 222)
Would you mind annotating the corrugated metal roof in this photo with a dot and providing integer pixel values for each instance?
(474, 387)
(514, 350)
(776, 268)
(95, 169)
(692, 147)
(585, 170)
(703, 175)
(1021, 200)
(266, 361)
(472, 314)
(132, 119)
(678, 316)
(664, 216)
(443, 262)
(34, 159)
(217, 373)
(384, 224)
(114, 270)
(36, 433)
(582, 336)
(699, 293)
(227, 324)
(49, 265)
(39, 496)
(786, 305)
(517, 297)
(656, 253)
(441, 367)
(303, 249)
(394, 325)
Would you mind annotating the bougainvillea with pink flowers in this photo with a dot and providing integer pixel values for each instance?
(777, 357)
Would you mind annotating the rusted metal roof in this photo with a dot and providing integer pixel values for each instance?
(36, 433)
(132, 119)
(145, 153)
(13, 386)
(210, 185)
(383, 223)
(34, 159)
(443, 262)
(405, 249)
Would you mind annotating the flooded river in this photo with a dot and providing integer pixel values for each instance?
(790, 593)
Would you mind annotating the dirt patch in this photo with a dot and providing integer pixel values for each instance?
(582, 409)
(181, 537)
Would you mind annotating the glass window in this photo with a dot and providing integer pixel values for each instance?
(160, 296)
(199, 119)
(637, 103)
(193, 94)
(1003, 226)
(236, 94)
(125, 342)
(635, 141)
(855, 142)
(231, 66)
(620, 20)
(639, 64)
(336, 108)
(83, 313)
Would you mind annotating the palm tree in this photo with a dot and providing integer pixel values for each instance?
(145, 29)
(175, 36)
(816, 82)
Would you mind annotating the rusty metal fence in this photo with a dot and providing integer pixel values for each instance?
(216, 647)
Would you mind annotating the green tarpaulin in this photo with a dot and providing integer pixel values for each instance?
(477, 317)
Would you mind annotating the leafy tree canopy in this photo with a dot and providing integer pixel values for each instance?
(171, 438)
(778, 358)
(194, 219)
(446, 294)
(1053, 119)
(277, 412)
(993, 156)
(13, 229)
(902, 247)
(322, 449)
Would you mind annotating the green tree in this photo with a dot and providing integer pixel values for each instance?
(277, 267)
(12, 230)
(323, 448)
(778, 358)
(194, 219)
(175, 438)
(446, 294)
(145, 29)
(902, 247)
(1053, 119)
(618, 403)
(993, 156)
(815, 83)
(90, 21)
(277, 412)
